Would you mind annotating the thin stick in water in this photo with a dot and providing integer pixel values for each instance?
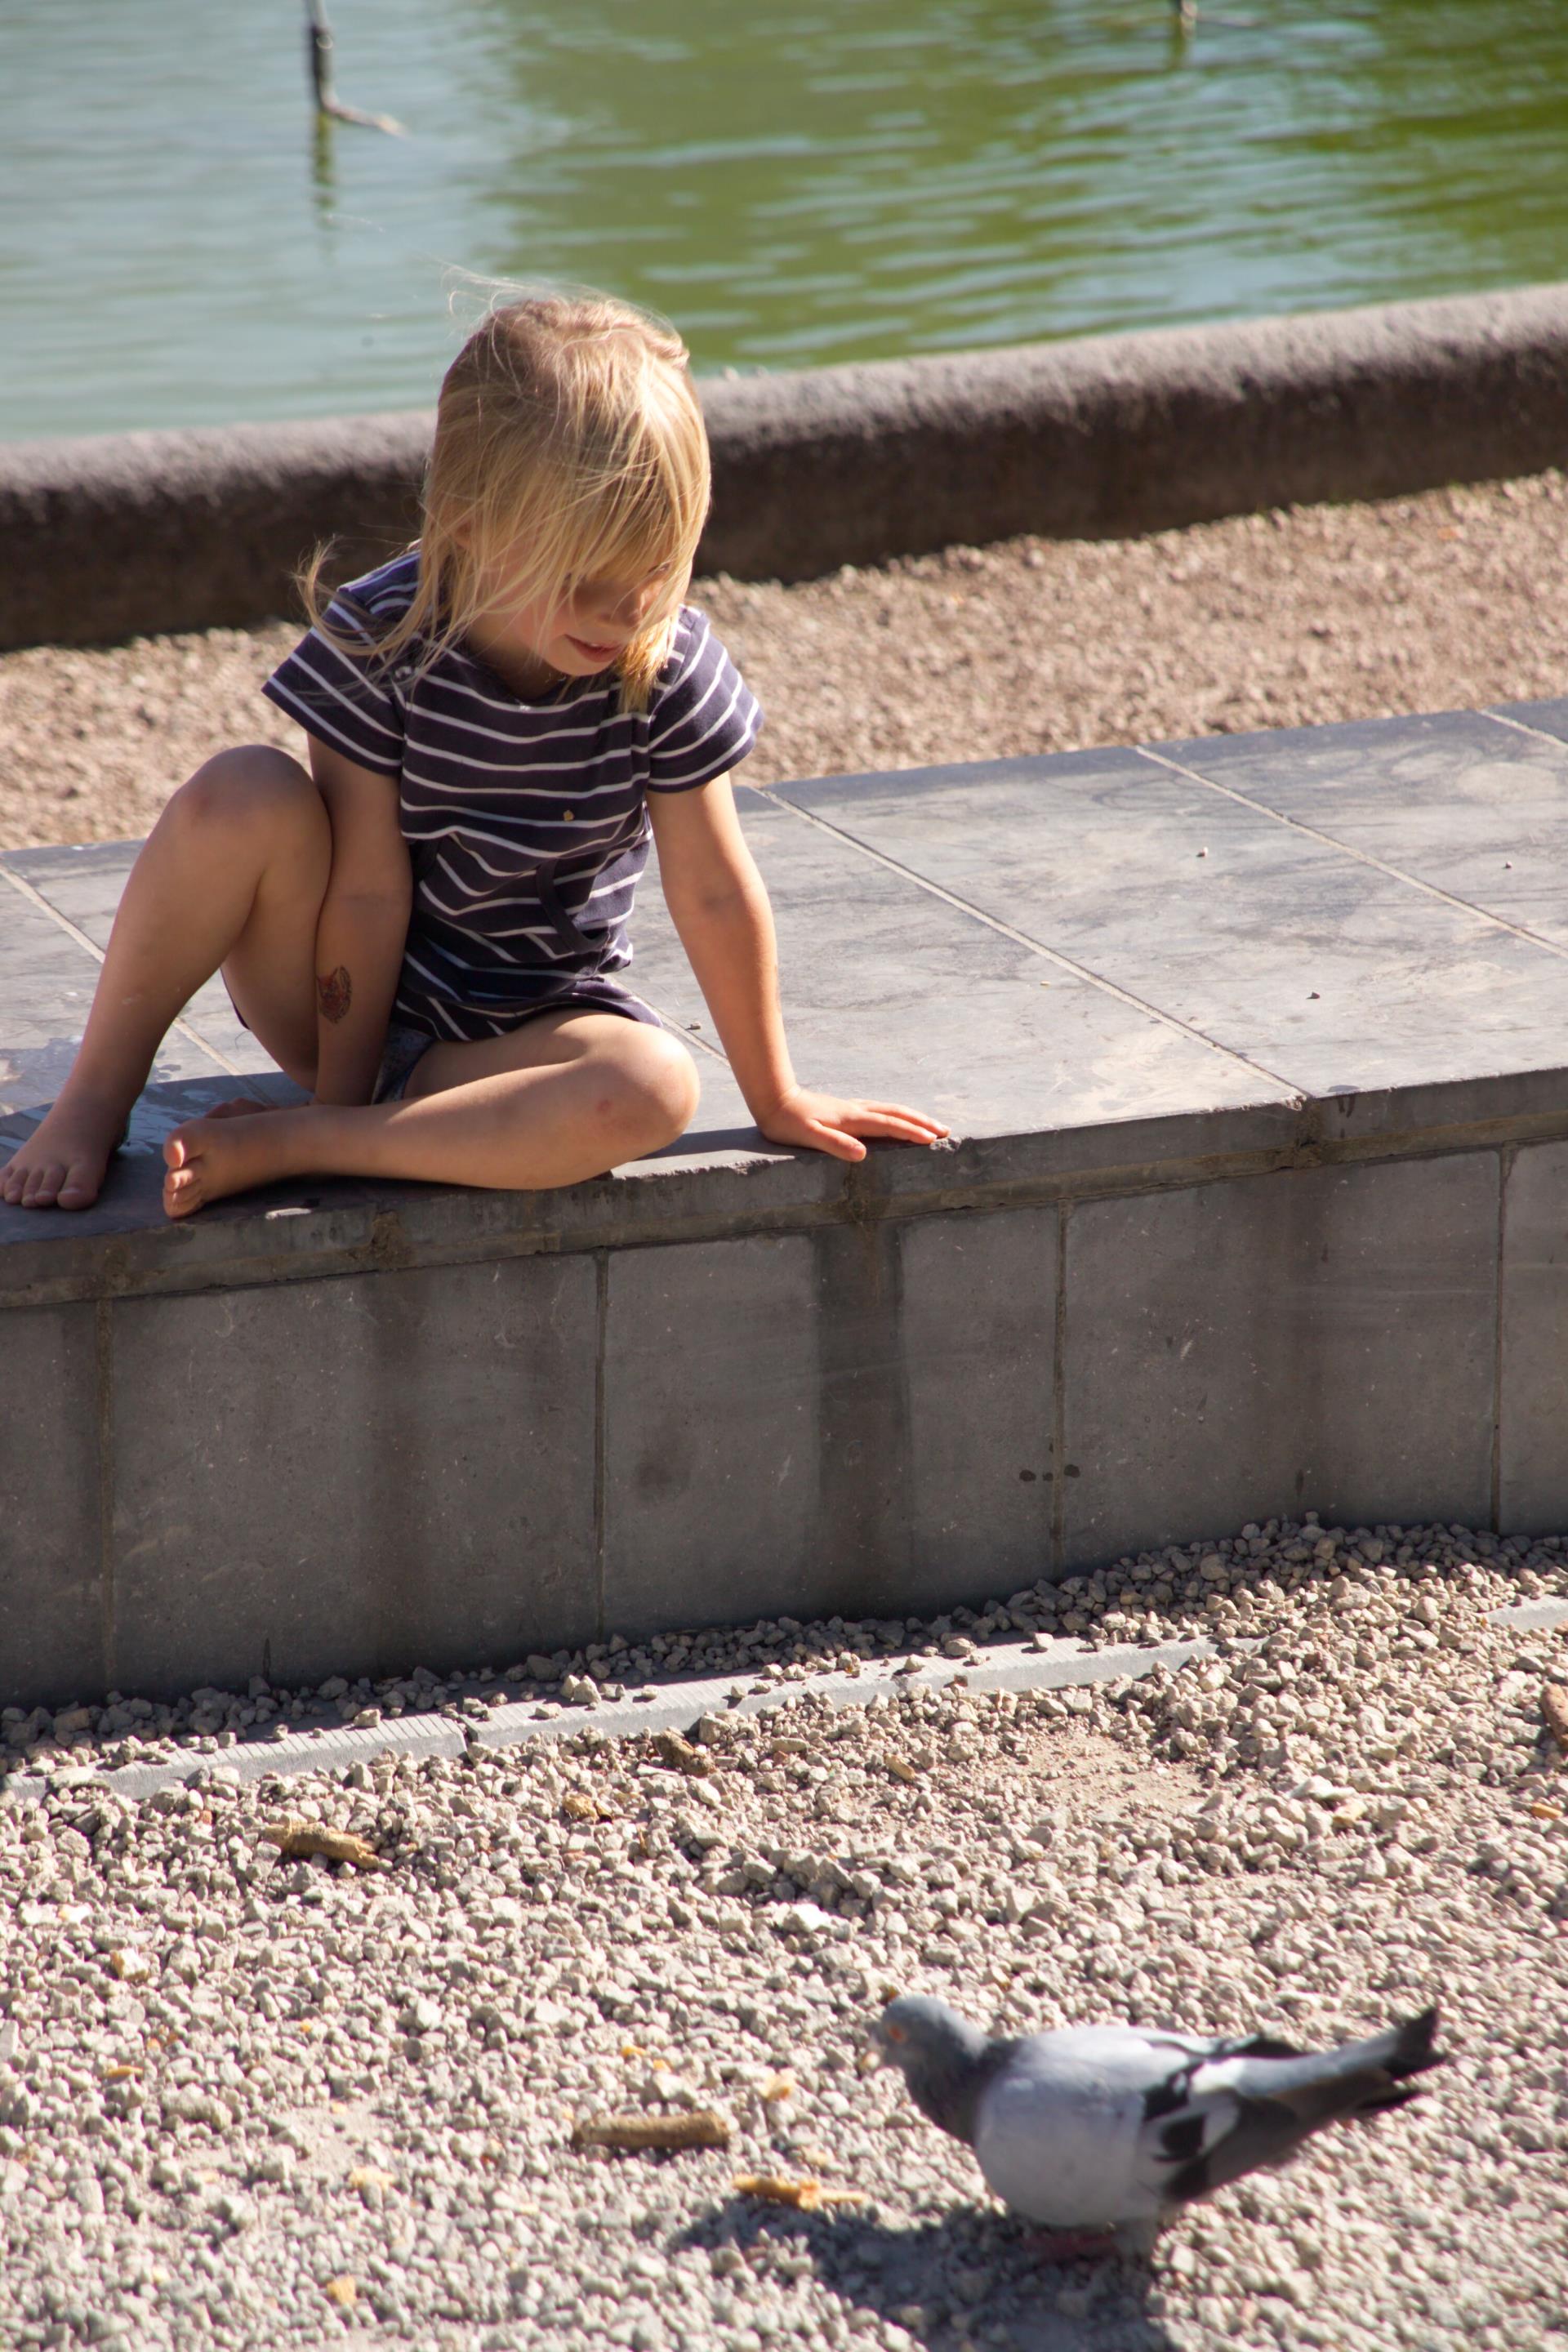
(319, 48)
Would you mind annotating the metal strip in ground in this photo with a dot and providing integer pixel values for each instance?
(1003, 1666)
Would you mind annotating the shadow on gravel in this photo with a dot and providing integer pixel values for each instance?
(972, 2274)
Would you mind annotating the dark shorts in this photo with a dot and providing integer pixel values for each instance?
(404, 1045)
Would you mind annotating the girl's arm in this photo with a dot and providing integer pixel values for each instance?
(720, 907)
(361, 927)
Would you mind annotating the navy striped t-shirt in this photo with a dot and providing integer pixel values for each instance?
(526, 821)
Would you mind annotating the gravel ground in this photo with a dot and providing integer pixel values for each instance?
(248, 2100)
(1287, 619)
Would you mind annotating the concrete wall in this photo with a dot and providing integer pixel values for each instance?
(453, 1463)
(1105, 437)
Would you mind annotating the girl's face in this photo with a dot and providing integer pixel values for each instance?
(574, 636)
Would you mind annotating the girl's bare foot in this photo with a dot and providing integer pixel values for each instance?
(226, 1152)
(62, 1163)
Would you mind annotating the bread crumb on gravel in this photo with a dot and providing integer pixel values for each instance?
(231, 2082)
(1453, 599)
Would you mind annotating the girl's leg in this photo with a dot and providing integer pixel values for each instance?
(567, 1096)
(233, 874)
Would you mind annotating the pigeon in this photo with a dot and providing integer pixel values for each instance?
(1099, 2129)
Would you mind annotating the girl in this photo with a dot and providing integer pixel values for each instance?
(425, 932)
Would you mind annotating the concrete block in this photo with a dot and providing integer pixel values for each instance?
(1533, 1431)
(52, 1598)
(355, 1476)
(858, 1419)
(895, 993)
(1319, 1339)
(1455, 800)
(1318, 969)
(979, 1300)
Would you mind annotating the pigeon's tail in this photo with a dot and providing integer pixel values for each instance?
(1283, 2101)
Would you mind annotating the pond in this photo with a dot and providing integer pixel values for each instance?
(793, 184)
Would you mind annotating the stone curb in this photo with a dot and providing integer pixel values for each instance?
(1106, 436)
(1001, 1665)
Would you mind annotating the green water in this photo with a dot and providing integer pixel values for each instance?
(792, 183)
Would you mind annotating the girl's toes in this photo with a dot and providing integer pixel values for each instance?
(78, 1188)
(181, 1193)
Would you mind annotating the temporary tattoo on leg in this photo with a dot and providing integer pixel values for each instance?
(334, 992)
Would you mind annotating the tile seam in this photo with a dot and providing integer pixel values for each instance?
(1083, 971)
(103, 1349)
(1059, 1397)
(601, 1449)
(1347, 849)
(192, 1036)
(1506, 1158)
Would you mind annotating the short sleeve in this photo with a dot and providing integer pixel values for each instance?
(348, 703)
(704, 718)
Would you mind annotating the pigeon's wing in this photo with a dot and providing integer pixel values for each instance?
(1250, 2104)
(1060, 2125)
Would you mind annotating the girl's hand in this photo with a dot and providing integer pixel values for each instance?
(238, 1106)
(827, 1123)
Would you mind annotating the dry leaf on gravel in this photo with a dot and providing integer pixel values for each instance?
(300, 1839)
(343, 2291)
(578, 1806)
(701, 2128)
(681, 1755)
(807, 2196)
(1554, 1708)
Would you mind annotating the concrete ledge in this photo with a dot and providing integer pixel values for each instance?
(1252, 1050)
(1108, 436)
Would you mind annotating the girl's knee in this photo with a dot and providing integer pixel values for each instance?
(252, 785)
(658, 1089)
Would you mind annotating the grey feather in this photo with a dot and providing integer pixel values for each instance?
(1104, 2126)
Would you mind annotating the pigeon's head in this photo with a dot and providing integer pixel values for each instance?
(942, 2058)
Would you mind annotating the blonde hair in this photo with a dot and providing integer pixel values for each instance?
(569, 447)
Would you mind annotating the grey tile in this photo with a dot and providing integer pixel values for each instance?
(1455, 800)
(1532, 1453)
(978, 1335)
(1308, 961)
(356, 1476)
(83, 880)
(1547, 717)
(52, 1614)
(856, 1421)
(712, 1433)
(1319, 1339)
(893, 995)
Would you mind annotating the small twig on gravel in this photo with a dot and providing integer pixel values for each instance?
(703, 2128)
(1554, 1710)
(807, 2196)
(300, 1839)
